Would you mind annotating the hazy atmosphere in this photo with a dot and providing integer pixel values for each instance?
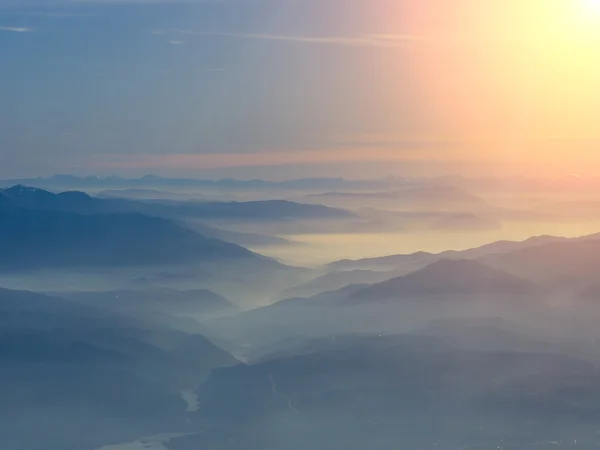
(299, 224)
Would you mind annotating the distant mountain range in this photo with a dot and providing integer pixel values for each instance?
(441, 279)
(540, 259)
(420, 259)
(374, 270)
(153, 181)
(422, 196)
(445, 288)
(36, 239)
(79, 202)
(41, 229)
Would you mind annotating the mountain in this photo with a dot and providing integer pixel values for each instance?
(444, 289)
(411, 219)
(33, 198)
(564, 265)
(411, 261)
(464, 222)
(177, 309)
(488, 334)
(391, 392)
(146, 194)
(154, 181)
(79, 202)
(333, 281)
(104, 328)
(197, 301)
(236, 237)
(420, 259)
(446, 278)
(32, 238)
(265, 209)
(421, 197)
(33, 310)
(81, 376)
(439, 195)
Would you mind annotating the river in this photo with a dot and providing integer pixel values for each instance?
(158, 441)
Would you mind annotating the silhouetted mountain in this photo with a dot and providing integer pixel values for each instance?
(78, 202)
(33, 198)
(420, 259)
(37, 238)
(449, 278)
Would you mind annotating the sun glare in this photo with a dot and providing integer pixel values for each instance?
(594, 4)
(591, 6)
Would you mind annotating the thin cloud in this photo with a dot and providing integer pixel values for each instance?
(17, 29)
(176, 42)
(367, 40)
(396, 140)
(55, 14)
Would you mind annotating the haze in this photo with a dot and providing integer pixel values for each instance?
(299, 224)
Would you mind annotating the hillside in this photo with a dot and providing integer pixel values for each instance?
(448, 278)
(32, 238)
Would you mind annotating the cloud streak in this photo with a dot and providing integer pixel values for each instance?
(17, 29)
(366, 40)
(360, 41)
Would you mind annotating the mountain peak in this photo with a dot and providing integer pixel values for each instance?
(31, 197)
(20, 190)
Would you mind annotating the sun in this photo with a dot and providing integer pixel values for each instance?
(592, 5)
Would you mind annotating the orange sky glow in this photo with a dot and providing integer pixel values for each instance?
(507, 83)
(521, 75)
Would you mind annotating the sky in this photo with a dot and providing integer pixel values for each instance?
(292, 88)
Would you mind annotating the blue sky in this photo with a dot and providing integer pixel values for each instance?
(288, 88)
(136, 87)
